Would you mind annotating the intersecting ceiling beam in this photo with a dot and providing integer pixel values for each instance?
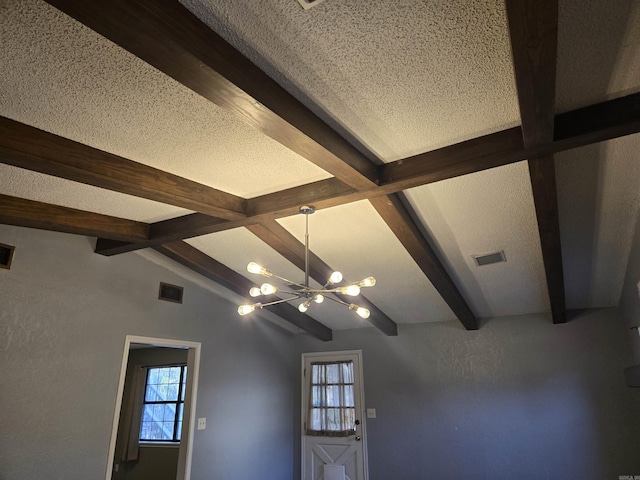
(399, 220)
(543, 182)
(44, 216)
(279, 238)
(197, 261)
(604, 121)
(33, 149)
(166, 35)
(533, 27)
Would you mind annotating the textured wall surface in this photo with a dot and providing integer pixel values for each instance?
(64, 314)
(630, 298)
(520, 398)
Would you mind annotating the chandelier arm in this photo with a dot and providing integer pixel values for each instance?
(282, 300)
(297, 294)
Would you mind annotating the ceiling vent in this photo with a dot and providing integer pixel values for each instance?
(170, 293)
(307, 4)
(6, 255)
(489, 258)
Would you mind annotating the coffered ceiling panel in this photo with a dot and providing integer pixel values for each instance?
(62, 77)
(598, 56)
(599, 198)
(483, 213)
(402, 77)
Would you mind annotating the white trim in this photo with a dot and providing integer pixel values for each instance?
(303, 390)
(193, 372)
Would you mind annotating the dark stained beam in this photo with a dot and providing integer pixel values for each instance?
(278, 238)
(44, 216)
(489, 151)
(533, 27)
(597, 123)
(33, 149)
(399, 220)
(543, 183)
(578, 128)
(572, 129)
(197, 261)
(166, 35)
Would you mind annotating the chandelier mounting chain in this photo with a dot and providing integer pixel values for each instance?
(333, 289)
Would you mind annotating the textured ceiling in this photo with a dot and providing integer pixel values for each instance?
(64, 78)
(396, 78)
(598, 55)
(402, 77)
(483, 213)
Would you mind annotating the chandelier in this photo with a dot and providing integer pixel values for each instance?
(331, 290)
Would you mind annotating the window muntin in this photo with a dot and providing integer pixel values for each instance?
(332, 410)
(163, 406)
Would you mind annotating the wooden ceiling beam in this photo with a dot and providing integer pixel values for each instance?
(33, 149)
(577, 128)
(543, 182)
(166, 35)
(399, 220)
(533, 27)
(603, 121)
(597, 123)
(201, 263)
(44, 216)
(278, 238)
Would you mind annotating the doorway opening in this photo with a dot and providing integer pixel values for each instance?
(139, 433)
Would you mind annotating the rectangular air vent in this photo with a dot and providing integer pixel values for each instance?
(6, 255)
(170, 293)
(489, 258)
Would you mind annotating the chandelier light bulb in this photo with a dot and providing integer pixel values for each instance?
(253, 267)
(255, 292)
(304, 306)
(352, 290)
(245, 309)
(367, 282)
(336, 277)
(319, 298)
(361, 311)
(268, 289)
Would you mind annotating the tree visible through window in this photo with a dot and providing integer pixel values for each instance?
(163, 404)
(332, 410)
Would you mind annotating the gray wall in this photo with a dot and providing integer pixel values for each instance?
(630, 298)
(155, 462)
(64, 314)
(520, 398)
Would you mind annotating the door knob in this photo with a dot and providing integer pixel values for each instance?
(357, 422)
(358, 438)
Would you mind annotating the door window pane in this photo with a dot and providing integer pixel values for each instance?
(331, 399)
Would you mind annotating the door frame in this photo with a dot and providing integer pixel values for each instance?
(303, 395)
(193, 366)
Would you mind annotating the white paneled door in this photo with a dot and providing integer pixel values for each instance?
(333, 427)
